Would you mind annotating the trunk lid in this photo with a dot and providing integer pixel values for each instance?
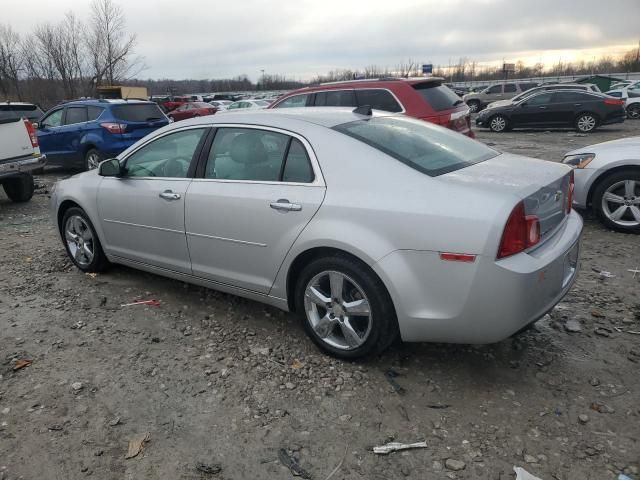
(542, 185)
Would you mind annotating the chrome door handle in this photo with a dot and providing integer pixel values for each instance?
(284, 205)
(542, 108)
(169, 195)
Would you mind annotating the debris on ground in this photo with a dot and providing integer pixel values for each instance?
(209, 468)
(454, 465)
(396, 446)
(153, 302)
(522, 474)
(391, 376)
(136, 444)
(22, 363)
(293, 465)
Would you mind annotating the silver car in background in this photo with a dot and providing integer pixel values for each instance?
(367, 225)
(607, 180)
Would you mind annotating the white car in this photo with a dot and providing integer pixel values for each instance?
(221, 105)
(631, 94)
(607, 180)
(248, 105)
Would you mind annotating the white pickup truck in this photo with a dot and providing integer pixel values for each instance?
(19, 155)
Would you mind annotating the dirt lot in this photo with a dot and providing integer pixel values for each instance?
(218, 380)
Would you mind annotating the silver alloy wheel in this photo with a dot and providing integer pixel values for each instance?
(473, 107)
(586, 123)
(93, 160)
(621, 203)
(633, 111)
(498, 123)
(338, 310)
(79, 239)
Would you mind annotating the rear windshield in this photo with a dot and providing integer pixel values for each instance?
(423, 146)
(137, 112)
(440, 97)
(30, 112)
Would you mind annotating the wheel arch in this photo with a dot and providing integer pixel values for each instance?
(589, 112)
(603, 176)
(62, 209)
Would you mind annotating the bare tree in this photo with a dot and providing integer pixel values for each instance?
(11, 60)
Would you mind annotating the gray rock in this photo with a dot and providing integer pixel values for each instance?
(530, 458)
(572, 326)
(455, 465)
(582, 418)
(77, 386)
(289, 386)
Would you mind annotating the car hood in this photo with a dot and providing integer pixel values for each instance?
(622, 143)
(499, 103)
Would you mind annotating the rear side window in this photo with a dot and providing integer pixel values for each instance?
(93, 112)
(297, 167)
(494, 89)
(295, 101)
(510, 88)
(440, 97)
(568, 96)
(378, 100)
(615, 94)
(75, 115)
(527, 86)
(541, 99)
(336, 98)
(10, 111)
(420, 145)
(137, 112)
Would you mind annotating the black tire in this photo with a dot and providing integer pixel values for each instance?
(19, 188)
(384, 324)
(92, 158)
(586, 122)
(99, 262)
(601, 188)
(633, 111)
(498, 123)
(474, 106)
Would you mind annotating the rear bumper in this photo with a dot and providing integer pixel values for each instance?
(481, 302)
(617, 119)
(22, 165)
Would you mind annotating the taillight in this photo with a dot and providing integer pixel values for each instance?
(32, 133)
(521, 232)
(572, 187)
(613, 101)
(114, 127)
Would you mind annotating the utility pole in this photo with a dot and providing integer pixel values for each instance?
(262, 71)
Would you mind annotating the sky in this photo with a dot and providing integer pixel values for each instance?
(303, 38)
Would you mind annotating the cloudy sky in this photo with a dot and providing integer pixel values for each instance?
(302, 38)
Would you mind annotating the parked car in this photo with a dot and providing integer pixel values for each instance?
(360, 223)
(557, 108)
(631, 97)
(80, 134)
(607, 180)
(190, 110)
(497, 91)
(174, 102)
(424, 98)
(585, 87)
(16, 110)
(221, 105)
(248, 104)
(19, 156)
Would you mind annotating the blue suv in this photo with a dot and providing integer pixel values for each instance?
(82, 133)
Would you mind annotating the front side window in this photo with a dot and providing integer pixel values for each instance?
(293, 102)
(54, 119)
(258, 155)
(167, 156)
(75, 115)
(378, 100)
(494, 89)
(420, 145)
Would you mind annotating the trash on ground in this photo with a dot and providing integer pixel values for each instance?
(114, 422)
(293, 465)
(22, 363)
(391, 375)
(296, 364)
(136, 444)
(605, 274)
(522, 474)
(153, 302)
(91, 274)
(438, 405)
(396, 446)
(209, 468)
(635, 271)
(622, 476)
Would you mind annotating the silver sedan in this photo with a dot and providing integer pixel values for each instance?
(369, 226)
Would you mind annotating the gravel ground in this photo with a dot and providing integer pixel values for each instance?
(221, 385)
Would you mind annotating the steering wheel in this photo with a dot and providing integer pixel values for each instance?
(176, 167)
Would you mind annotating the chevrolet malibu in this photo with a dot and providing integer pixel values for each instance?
(369, 226)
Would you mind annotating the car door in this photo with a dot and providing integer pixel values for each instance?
(259, 189)
(49, 136)
(532, 110)
(142, 212)
(565, 105)
(492, 94)
(72, 131)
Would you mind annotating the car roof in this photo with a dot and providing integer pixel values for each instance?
(96, 101)
(19, 104)
(324, 116)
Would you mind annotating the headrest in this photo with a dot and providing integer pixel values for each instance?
(247, 148)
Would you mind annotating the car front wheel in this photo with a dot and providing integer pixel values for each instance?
(586, 122)
(345, 308)
(616, 200)
(498, 123)
(81, 241)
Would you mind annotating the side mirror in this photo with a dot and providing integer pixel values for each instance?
(110, 168)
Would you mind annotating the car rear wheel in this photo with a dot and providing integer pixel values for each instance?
(81, 241)
(92, 159)
(19, 188)
(616, 201)
(498, 123)
(633, 111)
(586, 122)
(345, 308)
(474, 106)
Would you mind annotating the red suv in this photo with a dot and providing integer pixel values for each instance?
(424, 98)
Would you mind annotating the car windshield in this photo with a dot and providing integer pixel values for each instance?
(137, 112)
(425, 147)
